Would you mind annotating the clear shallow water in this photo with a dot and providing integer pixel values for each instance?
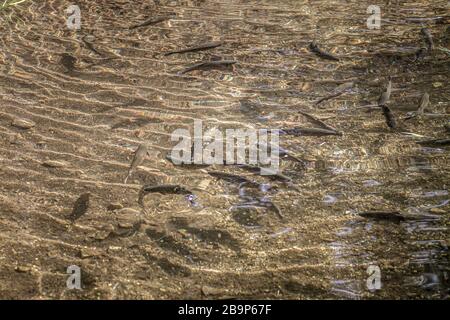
(93, 117)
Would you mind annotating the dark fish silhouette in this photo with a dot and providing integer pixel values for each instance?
(139, 157)
(390, 119)
(321, 53)
(289, 156)
(206, 46)
(208, 65)
(80, 207)
(299, 131)
(428, 38)
(273, 176)
(191, 164)
(230, 177)
(273, 207)
(282, 153)
(68, 61)
(317, 122)
(163, 189)
(135, 122)
(90, 46)
(150, 22)
(383, 215)
(435, 142)
(340, 90)
(420, 54)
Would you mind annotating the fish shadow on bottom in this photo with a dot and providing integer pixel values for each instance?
(168, 267)
(216, 237)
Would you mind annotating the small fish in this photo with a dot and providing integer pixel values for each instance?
(272, 206)
(206, 46)
(207, 65)
(273, 176)
(339, 90)
(68, 61)
(420, 54)
(435, 142)
(282, 153)
(299, 131)
(80, 207)
(139, 157)
(316, 121)
(424, 101)
(150, 22)
(286, 154)
(428, 38)
(331, 96)
(421, 20)
(383, 215)
(314, 48)
(89, 45)
(390, 120)
(190, 164)
(232, 178)
(229, 177)
(412, 134)
(386, 95)
(163, 189)
(134, 122)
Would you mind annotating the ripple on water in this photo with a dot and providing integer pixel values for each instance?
(102, 112)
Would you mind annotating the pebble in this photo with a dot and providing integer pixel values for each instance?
(101, 235)
(23, 124)
(114, 206)
(125, 225)
(128, 211)
(41, 144)
(204, 184)
(437, 210)
(53, 164)
(371, 183)
(23, 269)
(127, 218)
(16, 139)
(87, 253)
(210, 291)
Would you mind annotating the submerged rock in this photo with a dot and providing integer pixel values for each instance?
(24, 124)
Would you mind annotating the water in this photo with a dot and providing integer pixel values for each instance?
(125, 92)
